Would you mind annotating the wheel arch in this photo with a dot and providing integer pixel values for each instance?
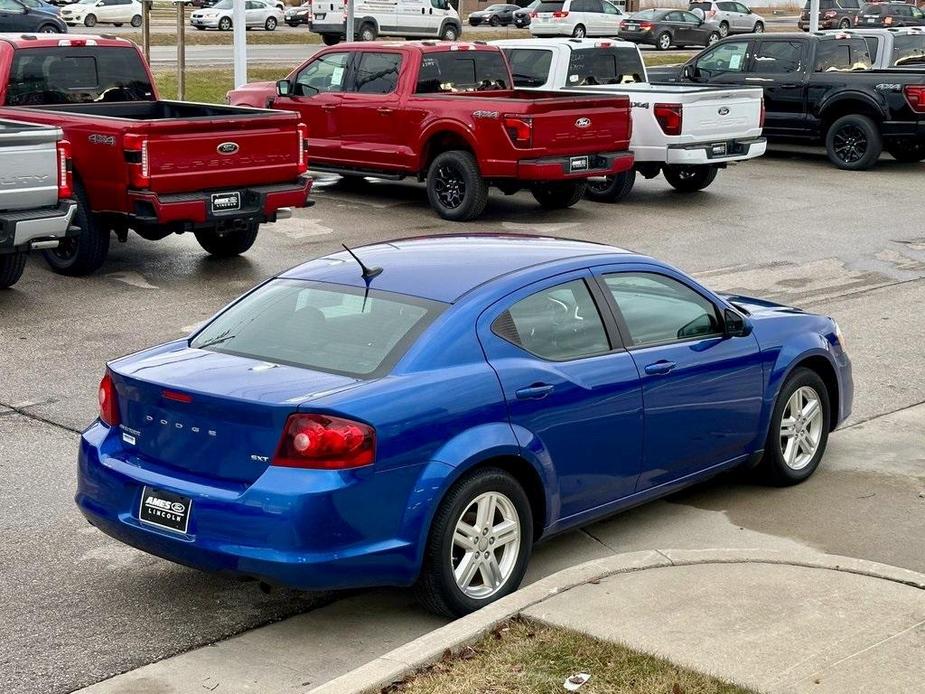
(443, 137)
(816, 359)
(848, 104)
(451, 21)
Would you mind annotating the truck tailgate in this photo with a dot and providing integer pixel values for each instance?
(576, 125)
(29, 167)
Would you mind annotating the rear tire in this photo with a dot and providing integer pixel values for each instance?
(713, 38)
(90, 21)
(560, 194)
(724, 29)
(495, 21)
(368, 32)
(455, 187)
(270, 24)
(85, 253)
(136, 21)
(853, 142)
(663, 42)
(689, 179)
(614, 189)
(908, 154)
(844, 24)
(759, 28)
(437, 587)
(449, 33)
(224, 24)
(11, 268)
(579, 32)
(330, 39)
(230, 243)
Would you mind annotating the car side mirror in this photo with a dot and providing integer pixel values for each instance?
(735, 324)
(283, 88)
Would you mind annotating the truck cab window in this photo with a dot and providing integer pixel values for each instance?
(377, 73)
(841, 56)
(727, 57)
(778, 57)
(614, 65)
(327, 74)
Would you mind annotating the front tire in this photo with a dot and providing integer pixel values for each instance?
(560, 194)
(449, 33)
(85, 253)
(455, 187)
(724, 29)
(853, 142)
(689, 179)
(11, 268)
(844, 24)
(136, 21)
(330, 39)
(368, 32)
(495, 21)
(799, 430)
(478, 546)
(90, 21)
(663, 42)
(759, 28)
(224, 24)
(579, 32)
(48, 29)
(229, 243)
(612, 189)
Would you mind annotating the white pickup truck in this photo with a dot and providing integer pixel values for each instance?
(685, 132)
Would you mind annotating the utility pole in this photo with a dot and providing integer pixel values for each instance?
(351, 14)
(146, 29)
(181, 48)
(814, 15)
(239, 24)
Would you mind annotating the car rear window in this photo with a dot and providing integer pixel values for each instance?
(550, 7)
(77, 75)
(313, 325)
(462, 71)
(648, 14)
(873, 9)
(823, 5)
(614, 65)
(705, 6)
(908, 50)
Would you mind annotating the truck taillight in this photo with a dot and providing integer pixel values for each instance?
(520, 130)
(322, 442)
(139, 164)
(915, 95)
(109, 402)
(764, 113)
(669, 117)
(65, 185)
(303, 146)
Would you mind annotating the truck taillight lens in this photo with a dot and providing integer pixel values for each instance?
(560, 14)
(915, 95)
(519, 129)
(109, 402)
(321, 442)
(764, 113)
(139, 165)
(303, 147)
(65, 182)
(669, 117)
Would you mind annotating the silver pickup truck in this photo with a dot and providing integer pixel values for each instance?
(36, 209)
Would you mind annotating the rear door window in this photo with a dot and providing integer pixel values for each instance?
(908, 49)
(778, 57)
(377, 73)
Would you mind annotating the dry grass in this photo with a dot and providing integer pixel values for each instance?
(210, 85)
(524, 657)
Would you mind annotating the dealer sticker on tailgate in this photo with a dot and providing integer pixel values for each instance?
(226, 202)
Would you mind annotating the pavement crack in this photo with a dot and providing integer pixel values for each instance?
(882, 414)
(8, 409)
(597, 540)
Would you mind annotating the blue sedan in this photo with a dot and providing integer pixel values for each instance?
(423, 412)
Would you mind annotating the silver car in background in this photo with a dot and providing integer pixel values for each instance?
(258, 14)
(732, 17)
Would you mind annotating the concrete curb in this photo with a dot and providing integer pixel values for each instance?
(428, 649)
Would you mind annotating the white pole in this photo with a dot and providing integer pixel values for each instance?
(239, 25)
(814, 15)
(351, 13)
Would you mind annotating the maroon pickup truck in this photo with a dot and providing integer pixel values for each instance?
(446, 113)
(150, 166)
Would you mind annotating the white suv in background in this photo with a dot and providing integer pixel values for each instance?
(578, 18)
(732, 17)
(93, 12)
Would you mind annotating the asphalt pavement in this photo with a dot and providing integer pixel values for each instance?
(78, 607)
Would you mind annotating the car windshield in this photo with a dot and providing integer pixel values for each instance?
(908, 50)
(88, 2)
(325, 327)
(495, 8)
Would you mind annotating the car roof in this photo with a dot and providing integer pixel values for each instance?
(570, 43)
(443, 268)
(27, 40)
(422, 46)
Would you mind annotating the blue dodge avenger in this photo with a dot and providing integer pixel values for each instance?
(421, 412)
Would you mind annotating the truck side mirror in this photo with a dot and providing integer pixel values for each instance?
(283, 88)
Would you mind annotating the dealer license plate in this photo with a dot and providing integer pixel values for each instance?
(718, 149)
(164, 509)
(226, 202)
(578, 164)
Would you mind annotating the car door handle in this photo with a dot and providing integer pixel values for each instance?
(758, 79)
(660, 368)
(790, 85)
(537, 391)
(385, 110)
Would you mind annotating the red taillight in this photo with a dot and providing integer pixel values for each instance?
(915, 95)
(520, 130)
(763, 114)
(532, 14)
(325, 443)
(623, 24)
(303, 146)
(139, 166)
(646, 26)
(560, 14)
(65, 186)
(109, 402)
(829, 14)
(669, 117)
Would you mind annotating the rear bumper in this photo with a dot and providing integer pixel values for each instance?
(637, 36)
(904, 129)
(309, 530)
(550, 29)
(18, 230)
(561, 168)
(257, 204)
(707, 152)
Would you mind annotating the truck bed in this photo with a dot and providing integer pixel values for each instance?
(154, 110)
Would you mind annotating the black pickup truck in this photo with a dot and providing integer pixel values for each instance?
(819, 88)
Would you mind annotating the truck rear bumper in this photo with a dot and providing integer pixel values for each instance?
(197, 210)
(18, 230)
(565, 168)
(904, 129)
(716, 152)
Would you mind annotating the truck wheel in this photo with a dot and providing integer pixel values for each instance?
(579, 32)
(908, 154)
(11, 267)
(85, 253)
(560, 194)
(330, 39)
(224, 24)
(853, 142)
(455, 187)
(229, 243)
(136, 21)
(368, 32)
(449, 33)
(689, 179)
(478, 546)
(611, 189)
(663, 42)
(90, 20)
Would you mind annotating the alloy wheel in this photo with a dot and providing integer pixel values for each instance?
(450, 186)
(486, 543)
(801, 428)
(850, 143)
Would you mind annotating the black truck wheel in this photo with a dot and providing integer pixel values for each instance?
(559, 194)
(11, 267)
(611, 189)
(907, 153)
(689, 179)
(455, 187)
(85, 253)
(228, 243)
(330, 39)
(853, 142)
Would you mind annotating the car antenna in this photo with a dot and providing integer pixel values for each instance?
(368, 272)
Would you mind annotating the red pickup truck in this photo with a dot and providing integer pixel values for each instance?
(150, 166)
(447, 113)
